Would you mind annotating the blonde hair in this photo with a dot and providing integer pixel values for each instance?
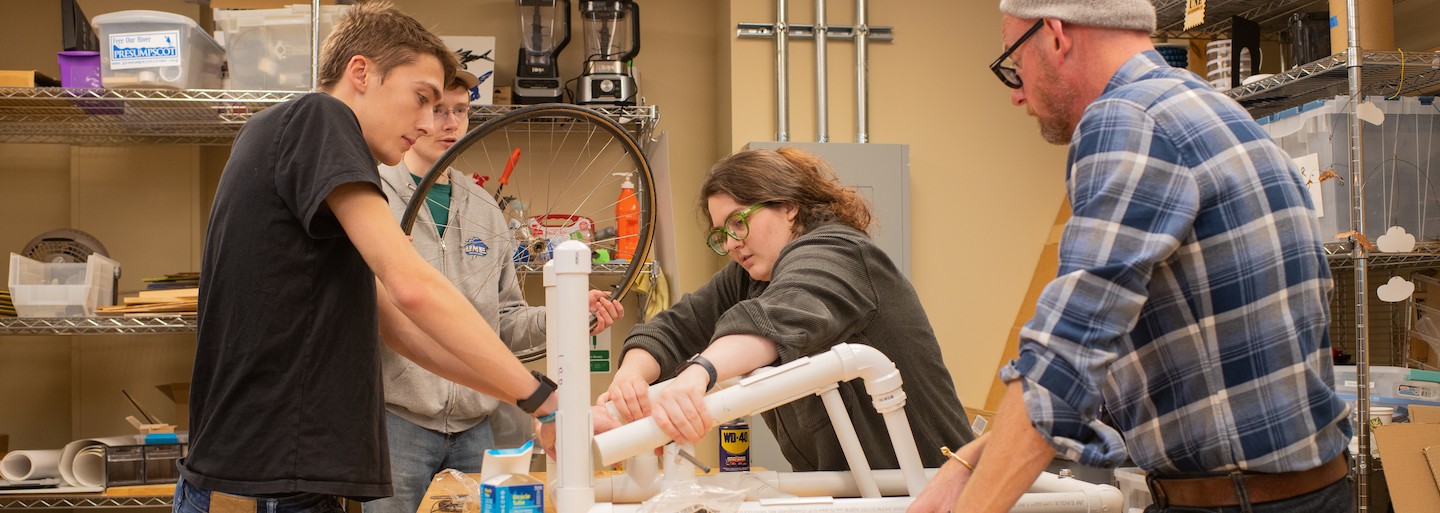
(787, 175)
(383, 34)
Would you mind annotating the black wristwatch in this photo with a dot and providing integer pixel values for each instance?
(703, 362)
(537, 398)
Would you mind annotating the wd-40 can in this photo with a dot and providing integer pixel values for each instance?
(735, 446)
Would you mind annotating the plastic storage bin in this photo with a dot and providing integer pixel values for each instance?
(1395, 387)
(79, 69)
(269, 49)
(157, 49)
(1402, 163)
(1131, 482)
(41, 289)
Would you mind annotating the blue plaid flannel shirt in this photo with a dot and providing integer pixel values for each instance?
(1192, 297)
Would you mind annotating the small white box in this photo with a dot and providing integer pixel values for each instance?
(41, 289)
(157, 49)
(482, 51)
(269, 49)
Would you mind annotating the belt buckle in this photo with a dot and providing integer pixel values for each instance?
(1157, 491)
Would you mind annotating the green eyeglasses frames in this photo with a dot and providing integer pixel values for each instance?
(737, 226)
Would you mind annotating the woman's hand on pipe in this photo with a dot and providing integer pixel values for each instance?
(679, 408)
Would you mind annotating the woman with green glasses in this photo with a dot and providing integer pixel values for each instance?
(803, 277)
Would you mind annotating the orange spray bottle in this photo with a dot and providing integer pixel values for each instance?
(627, 220)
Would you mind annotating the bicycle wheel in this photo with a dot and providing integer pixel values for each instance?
(563, 167)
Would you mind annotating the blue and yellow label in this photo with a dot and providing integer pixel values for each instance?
(735, 447)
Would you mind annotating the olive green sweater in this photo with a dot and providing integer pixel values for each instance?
(829, 286)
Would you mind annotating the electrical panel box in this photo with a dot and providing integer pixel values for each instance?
(881, 173)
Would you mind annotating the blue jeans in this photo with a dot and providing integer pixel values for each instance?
(416, 454)
(1338, 497)
(192, 499)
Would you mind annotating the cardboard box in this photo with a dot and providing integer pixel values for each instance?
(1411, 455)
(1420, 414)
(180, 393)
(501, 96)
(26, 78)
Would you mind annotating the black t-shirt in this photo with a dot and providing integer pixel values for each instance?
(286, 395)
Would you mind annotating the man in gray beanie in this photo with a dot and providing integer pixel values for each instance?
(1191, 295)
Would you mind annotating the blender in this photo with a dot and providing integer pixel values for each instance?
(612, 39)
(544, 32)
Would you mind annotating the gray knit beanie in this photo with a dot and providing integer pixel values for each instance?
(1116, 14)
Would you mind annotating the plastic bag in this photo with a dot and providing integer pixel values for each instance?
(454, 492)
(692, 497)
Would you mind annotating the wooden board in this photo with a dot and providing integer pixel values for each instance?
(155, 490)
(191, 292)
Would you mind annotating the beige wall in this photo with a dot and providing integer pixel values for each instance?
(984, 186)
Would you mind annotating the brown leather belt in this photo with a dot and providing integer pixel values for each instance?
(1212, 492)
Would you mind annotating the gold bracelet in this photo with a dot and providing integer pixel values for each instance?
(956, 456)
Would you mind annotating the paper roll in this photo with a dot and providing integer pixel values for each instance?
(77, 460)
(1377, 25)
(30, 465)
(89, 466)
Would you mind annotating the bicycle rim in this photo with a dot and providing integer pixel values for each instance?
(565, 175)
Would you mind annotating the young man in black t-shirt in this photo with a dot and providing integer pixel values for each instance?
(303, 265)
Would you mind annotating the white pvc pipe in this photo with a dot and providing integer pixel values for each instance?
(566, 327)
(904, 442)
(756, 394)
(1049, 493)
(849, 442)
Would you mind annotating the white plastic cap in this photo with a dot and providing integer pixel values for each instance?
(628, 184)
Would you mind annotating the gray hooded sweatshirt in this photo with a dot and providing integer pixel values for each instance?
(476, 255)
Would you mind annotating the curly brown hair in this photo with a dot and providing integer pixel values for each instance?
(380, 32)
(787, 175)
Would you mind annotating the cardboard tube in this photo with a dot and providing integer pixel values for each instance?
(1377, 25)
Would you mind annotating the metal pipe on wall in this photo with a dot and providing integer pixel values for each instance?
(314, 44)
(822, 101)
(782, 75)
(862, 74)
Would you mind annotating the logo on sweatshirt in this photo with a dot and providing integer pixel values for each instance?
(476, 247)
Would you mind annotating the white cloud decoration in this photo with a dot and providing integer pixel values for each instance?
(1396, 290)
(1396, 240)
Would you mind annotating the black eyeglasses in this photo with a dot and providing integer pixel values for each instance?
(1007, 73)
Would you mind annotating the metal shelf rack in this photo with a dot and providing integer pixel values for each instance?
(116, 325)
(82, 502)
(1383, 74)
(96, 325)
(1270, 14)
(609, 268)
(1426, 255)
(197, 116)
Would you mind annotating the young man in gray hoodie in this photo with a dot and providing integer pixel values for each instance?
(433, 423)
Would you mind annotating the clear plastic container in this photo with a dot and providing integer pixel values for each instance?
(41, 289)
(1131, 482)
(157, 49)
(1402, 162)
(269, 49)
(1384, 379)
